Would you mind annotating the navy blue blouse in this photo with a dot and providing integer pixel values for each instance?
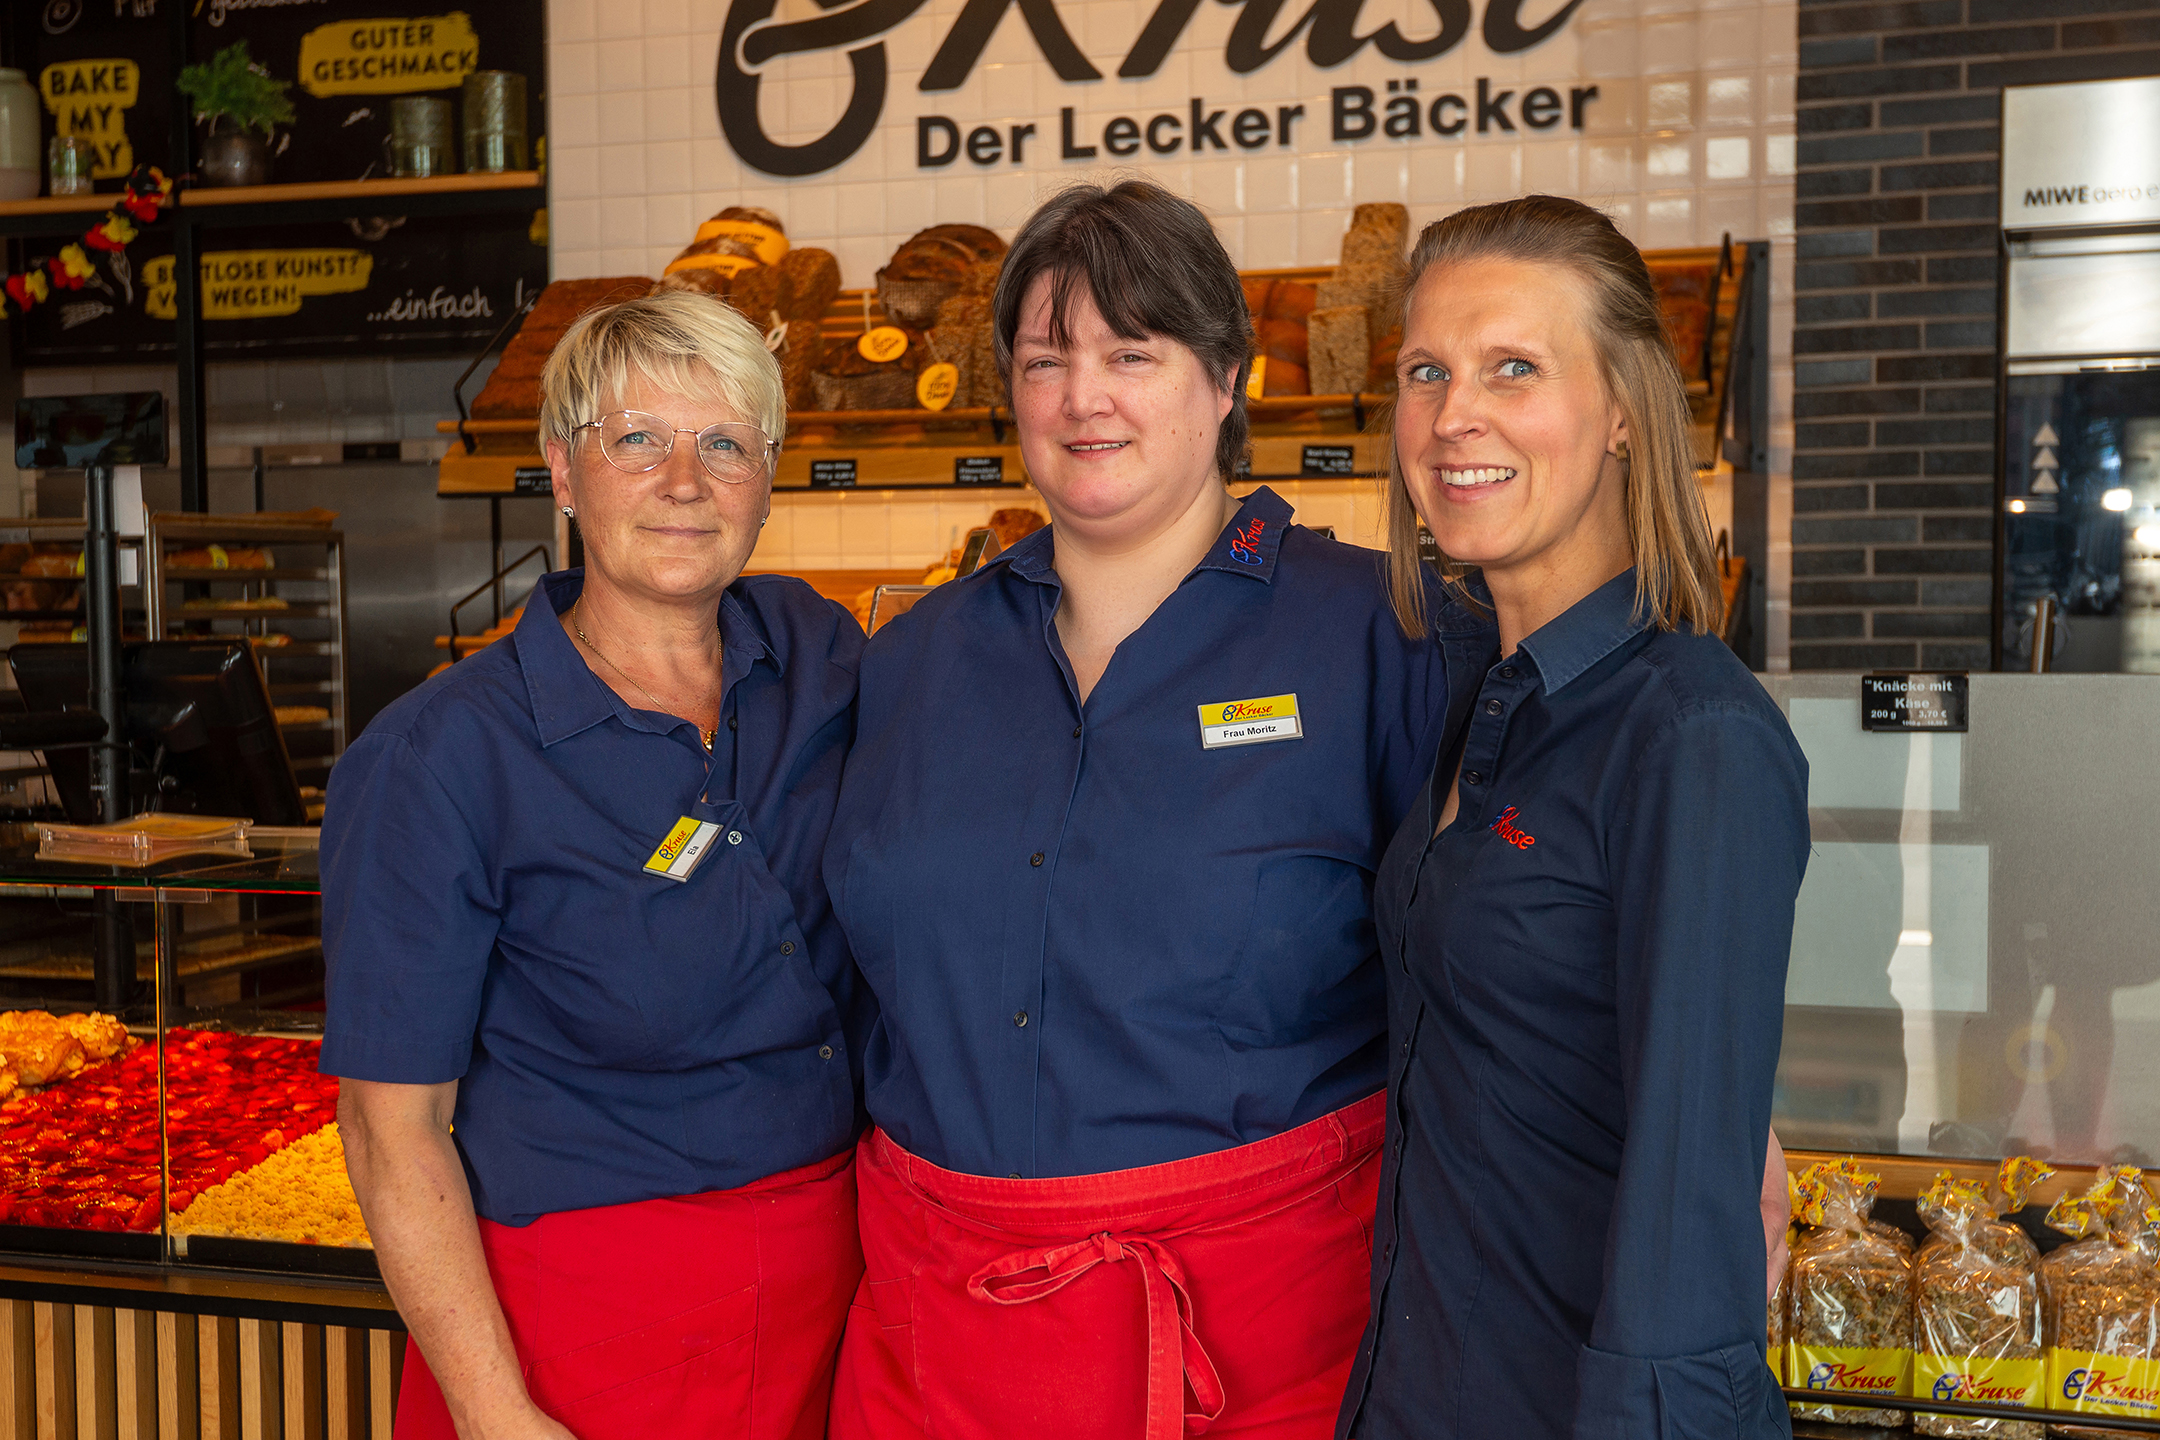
(1586, 976)
(488, 918)
(1140, 931)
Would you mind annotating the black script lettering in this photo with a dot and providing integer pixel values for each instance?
(735, 90)
(927, 126)
(1122, 136)
(1250, 129)
(1284, 115)
(1020, 133)
(1579, 96)
(1402, 117)
(985, 146)
(1334, 38)
(1350, 112)
(1504, 32)
(971, 32)
(1203, 129)
(1156, 37)
(1541, 108)
(1068, 150)
(1155, 142)
(1491, 107)
(1449, 127)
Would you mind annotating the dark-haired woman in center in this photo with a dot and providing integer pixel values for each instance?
(1105, 852)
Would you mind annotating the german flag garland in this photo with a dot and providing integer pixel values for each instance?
(146, 193)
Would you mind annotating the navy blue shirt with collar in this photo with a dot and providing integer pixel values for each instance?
(1096, 944)
(1586, 977)
(487, 917)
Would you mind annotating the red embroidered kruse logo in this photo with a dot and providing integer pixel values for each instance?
(1506, 828)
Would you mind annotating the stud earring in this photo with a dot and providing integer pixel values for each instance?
(568, 513)
(761, 521)
(1621, 451)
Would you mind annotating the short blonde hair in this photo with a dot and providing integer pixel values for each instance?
(683, 340)
(1676, 568)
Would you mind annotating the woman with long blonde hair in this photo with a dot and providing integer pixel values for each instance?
(1586, 919)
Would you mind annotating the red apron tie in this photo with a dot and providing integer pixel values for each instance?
(1169, 1311)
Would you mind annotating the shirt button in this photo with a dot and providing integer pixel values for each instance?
(1014, 1176)
(1471, 777)
(731, 722)
(1036, 858)
(1077, 729)
(1507, 672)
(734, 837)
(1406, 1047)
(824, 1052)
(1494, 707)
(787, 947)
(1020, 1018)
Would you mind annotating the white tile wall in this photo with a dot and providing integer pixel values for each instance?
(1691, 135)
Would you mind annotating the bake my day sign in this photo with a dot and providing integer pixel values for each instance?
(1328, 32)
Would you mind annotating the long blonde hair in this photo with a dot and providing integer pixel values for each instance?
(1676, 568)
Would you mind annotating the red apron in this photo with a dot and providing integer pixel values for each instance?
(1223, 1295)
(712, 1314)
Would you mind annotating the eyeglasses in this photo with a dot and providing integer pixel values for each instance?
(635, 442)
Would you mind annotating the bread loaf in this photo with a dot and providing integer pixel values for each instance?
(1339, 347)
(813, 283)
(513, 391)
(931, 267)
(962, 338)
(762, 293)
(799, 354)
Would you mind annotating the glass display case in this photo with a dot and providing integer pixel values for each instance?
(192, 1127)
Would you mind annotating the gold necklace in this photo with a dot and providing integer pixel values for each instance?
(705, 737)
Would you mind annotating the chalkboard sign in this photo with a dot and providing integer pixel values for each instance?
(107, 71)
(407, 286)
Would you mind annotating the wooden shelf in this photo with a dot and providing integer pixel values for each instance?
(61, 205)
(355, 189)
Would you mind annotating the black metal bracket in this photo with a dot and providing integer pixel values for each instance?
(457, 391)
(487, 586)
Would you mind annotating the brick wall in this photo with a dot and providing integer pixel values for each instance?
(1894, 309)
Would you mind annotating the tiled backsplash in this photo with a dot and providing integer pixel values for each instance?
(1690, 135)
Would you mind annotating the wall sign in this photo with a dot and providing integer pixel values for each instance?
(1909, 701)
(2085, 154)
(1332, 32)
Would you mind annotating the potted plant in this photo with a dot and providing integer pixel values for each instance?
(233, 89)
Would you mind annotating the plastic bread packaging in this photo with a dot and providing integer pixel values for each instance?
(1851, 1319)
(1781, 1298)
(1976, 1303)
(2100, 1300)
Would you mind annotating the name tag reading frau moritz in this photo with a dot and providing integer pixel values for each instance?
(685, 845)
(1249, 722)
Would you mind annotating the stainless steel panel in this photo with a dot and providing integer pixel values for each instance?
(2082, 154)
(2093, 304)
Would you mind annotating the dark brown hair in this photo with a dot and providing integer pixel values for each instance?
(1676, 569)
(1153, 266)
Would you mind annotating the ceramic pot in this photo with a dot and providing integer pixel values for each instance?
(234, 157)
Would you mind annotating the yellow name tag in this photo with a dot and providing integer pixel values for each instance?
(1249, 722)
(685, 845)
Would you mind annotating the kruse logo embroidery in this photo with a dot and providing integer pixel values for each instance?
(1245, 543)
(1507, 830)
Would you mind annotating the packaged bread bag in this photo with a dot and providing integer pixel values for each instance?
(1851, 1319)
(2100, 1298)
(1781, 1297)
(1976, 1303)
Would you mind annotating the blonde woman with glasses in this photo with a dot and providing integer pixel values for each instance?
(586, 996)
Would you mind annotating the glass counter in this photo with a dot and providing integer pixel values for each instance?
(192, 1127)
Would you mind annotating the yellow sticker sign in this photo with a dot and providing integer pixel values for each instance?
(1256, 383)
(1850, 1370)
(886, 342)
(1248, 722)
(252, 284)
(90, 99)
(728, 265)
(936, 386)
(768, 244)
(1978, 1379)
(2102, 1384)
(388, 56)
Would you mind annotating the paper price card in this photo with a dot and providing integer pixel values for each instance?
(886, 342)
(2102, 1384)
(936, 386)
(1978, 1379)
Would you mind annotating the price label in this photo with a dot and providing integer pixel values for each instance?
(978, 470)
(532, 480)
(832, 474)
(1256, 385)
(1913, 701)
(936, 386)
(886, 342)
(1328, 460)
